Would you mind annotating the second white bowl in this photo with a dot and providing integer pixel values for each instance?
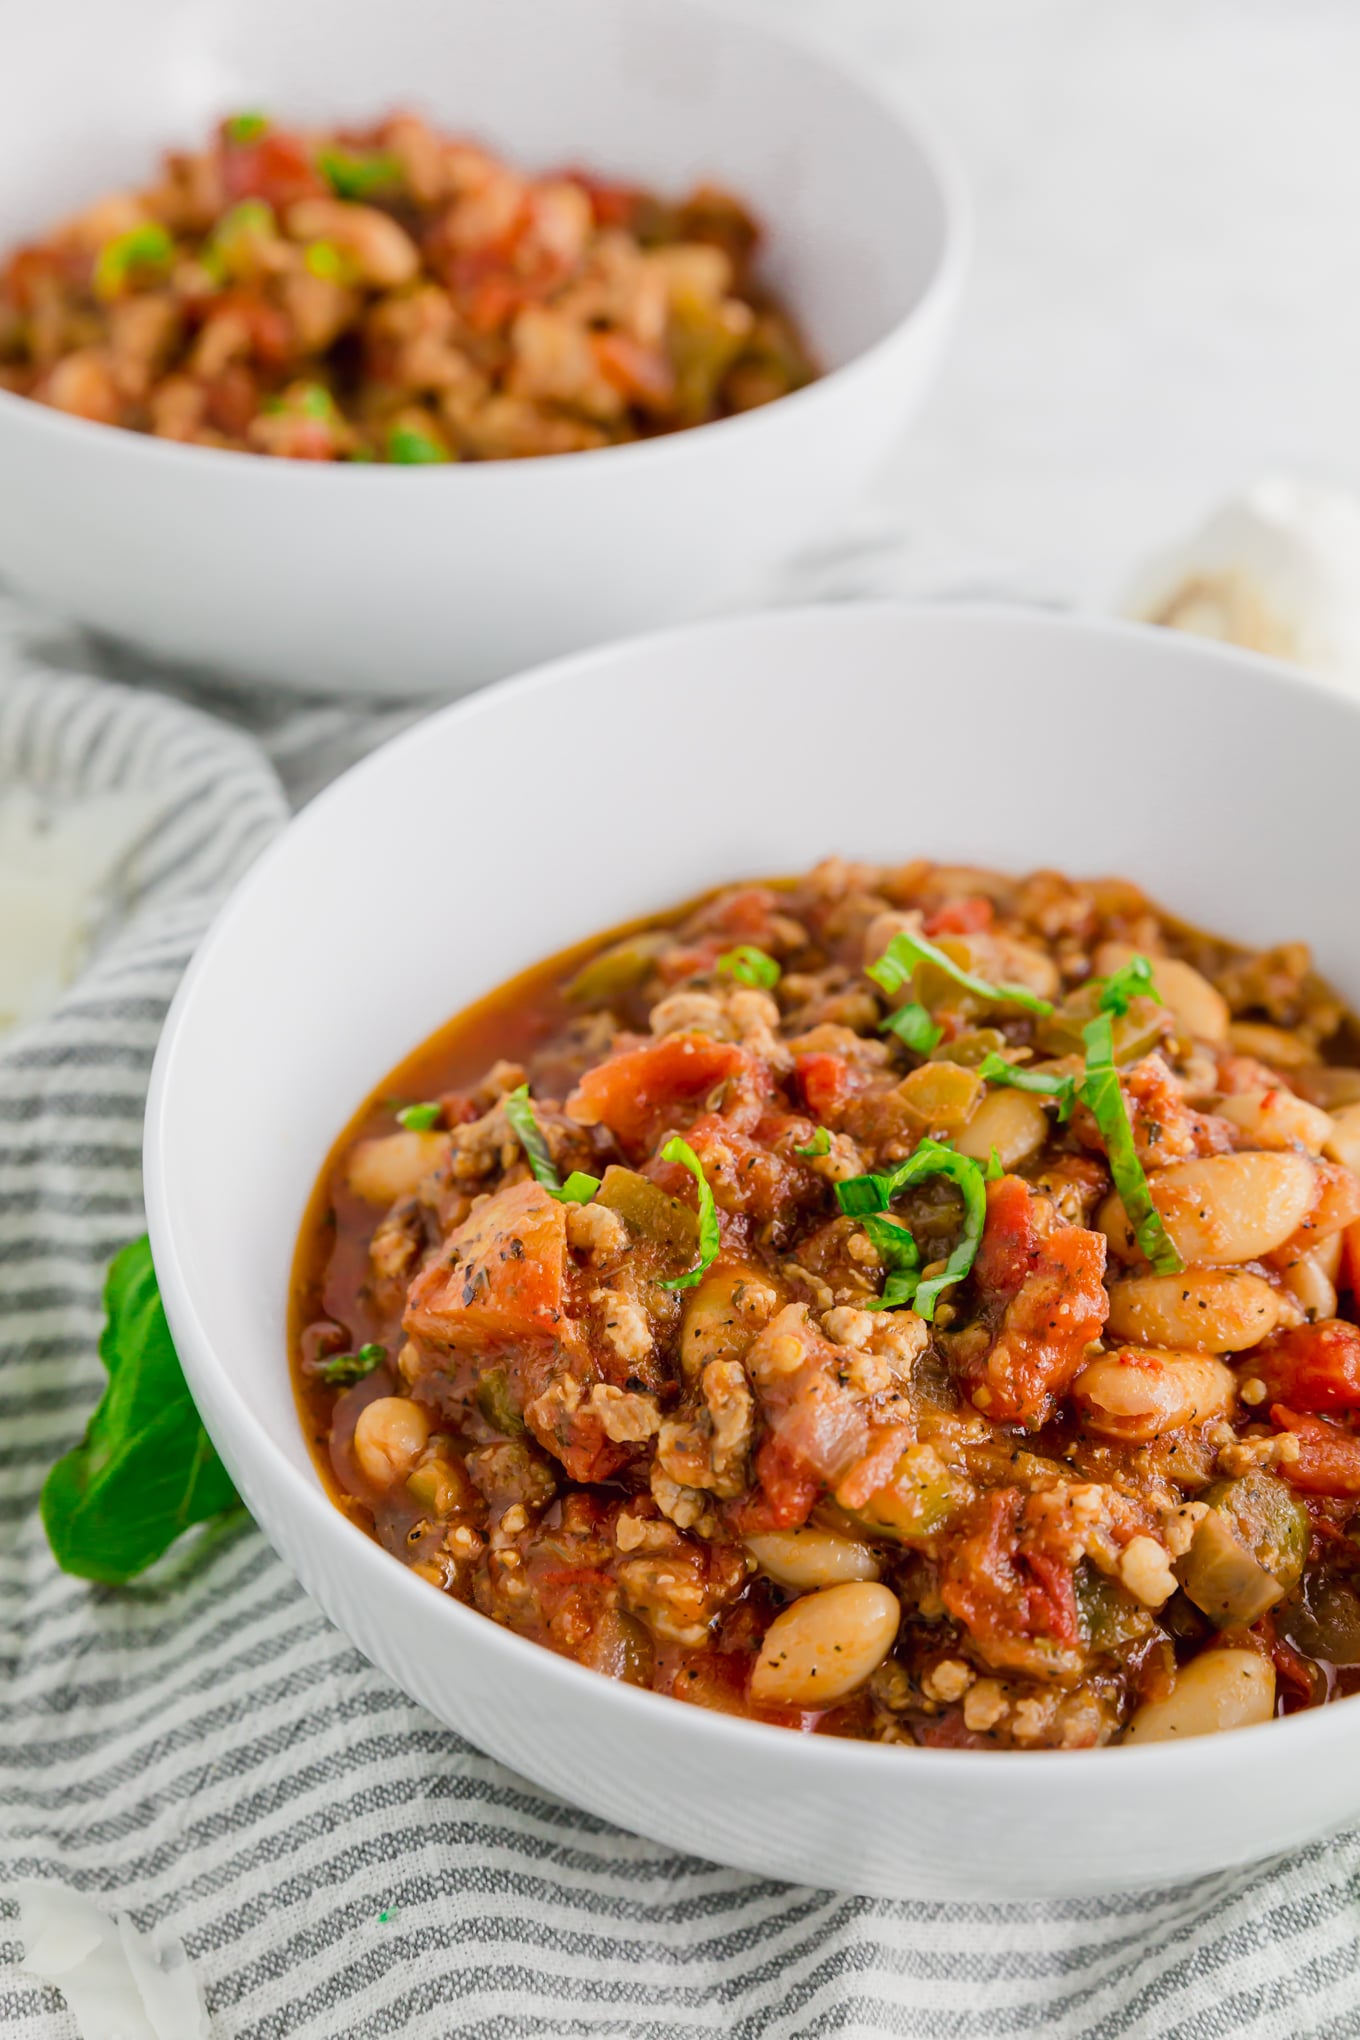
(408, 580)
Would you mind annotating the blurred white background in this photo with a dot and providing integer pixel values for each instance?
(1165, 299)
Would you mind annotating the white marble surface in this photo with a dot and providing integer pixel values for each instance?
(1165, 298)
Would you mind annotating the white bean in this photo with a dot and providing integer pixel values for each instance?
(380, 251)
(394, 1165)
(1312, 1278)
(1223, 1208)
(803, 1559)
(1012, 1122)
(389, 1438)
(825, 1645)
(1136, 1394)
(1273, 1045)
(1343, 1142)
(1218, 1689)
(1210, 1310)
(1277, 1119)
(1199, 1008)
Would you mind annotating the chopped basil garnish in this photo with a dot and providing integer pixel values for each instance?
(899, 961)
(710, 1239)
(914, 1025)
(419, 1118)
(1132, 982)
(1100, 1091)
(749, 966)
(1062, 1090)
(900, 1256)
(344, 1369)
(325, 260)
(579, 1188)
(245, 127)
(820, 1144)
(410, 448)
(863, 1196)
(145, 248)
(354, 173)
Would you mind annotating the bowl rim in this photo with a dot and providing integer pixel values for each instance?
(943, 172)
(1311, 1732)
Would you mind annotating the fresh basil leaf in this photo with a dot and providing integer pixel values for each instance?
(750, 966)
(358, 173)
(145, 1470)
(861, 1194)
(903, 1286)
(342, 1370)
(894, 1242)
(520, 1113)
(328, 262)
(820, 1144)
(148, 248)
(579, 1188)
(410, 448)
(1100, 1091)
(864, 1195)
(1133, 981)
(245, 127)
(710, 1238)
(914, 1025)
(420, 1118)
(1062, 1090)
(900, 960)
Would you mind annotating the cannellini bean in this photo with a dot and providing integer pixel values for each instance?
(1223, 1208)
(1277, 1119)
(394, 1165)
(1312, 1277)
(1343, 1142)
(723, 1315)
(1199, 1008)
(1004, 959)
(389, 1438)
(1212, 1310)
(1273, 1045)
(825, 1645)
(809, 1558)
(1137, 1393)
(1218, 1689)
(1012, 1122)
(380, 251)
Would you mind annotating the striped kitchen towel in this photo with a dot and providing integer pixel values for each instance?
(204, 1756)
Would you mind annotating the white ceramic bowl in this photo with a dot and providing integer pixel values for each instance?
(1221, 782)
(401, 580)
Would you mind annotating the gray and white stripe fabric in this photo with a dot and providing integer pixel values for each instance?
(204, 1754)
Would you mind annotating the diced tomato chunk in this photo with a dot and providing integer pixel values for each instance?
(500, 1278)
(1017, 1601)
(785, 1491)
(640, 1092)
(1055, 1282)
(276, 168)
(1010, 1240)
(1329, 1454)
(1314, 1367)
(827, 1082)
(966, 916)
